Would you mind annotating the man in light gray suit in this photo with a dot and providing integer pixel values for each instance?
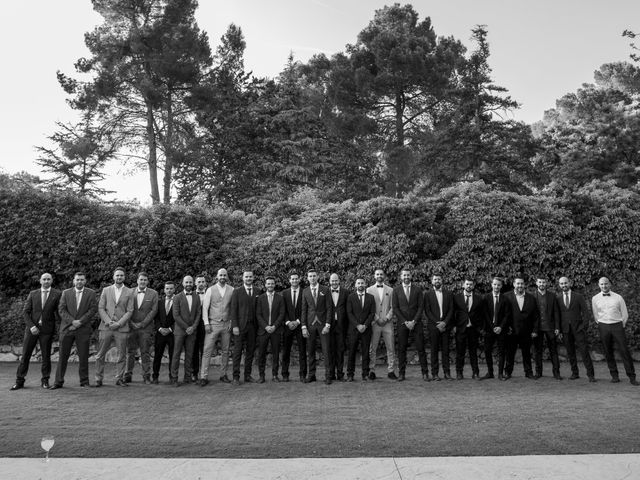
(217, 325)
(145, 307)
(382, 325)
(115, 307)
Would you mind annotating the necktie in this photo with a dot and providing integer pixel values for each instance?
(45, 293)
(294, 298)
(270, 298)
(250, 292)
(467, 300)
(167, 306)
(315, 296)
(566, 300)
(361, 299)
(78, 298)
(407, 292)
(495, 303)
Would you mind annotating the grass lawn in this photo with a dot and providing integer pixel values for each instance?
(382, 418)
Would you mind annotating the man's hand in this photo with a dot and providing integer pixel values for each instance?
(292, 325)
(410, 324)
(305, 332)
(497, 330)
(534, 335)
(34, 330)
(76, 324)
(236, 331)
(207, 328)
(361, 328)
(325, 330)
(114, 326)
(441, 326)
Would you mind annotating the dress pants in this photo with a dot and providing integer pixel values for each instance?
(180, 341)
(337, 343)
(198, 348)
(613, 335)
(219, 330)
(28, 346)
(512, 342)
(578, 339)
(315, 333)
(139, 338)
(263, 341)
(439, 343)
(491, 339)
(386, 332)
(105, 338)
(67, 339)
(246, 339)
(404, 338)
(161, 342)
(468, 339)
(363, 339)
(538, 348)
(287, 343)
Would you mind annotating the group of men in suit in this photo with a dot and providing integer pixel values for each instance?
(334, 317)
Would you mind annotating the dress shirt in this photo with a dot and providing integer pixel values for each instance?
(609, 309)
(439, 298)
(140, 296)
(118, 292)
(520, 300)
(221, 288)
(380, 290)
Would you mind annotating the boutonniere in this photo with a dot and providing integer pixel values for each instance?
(386, 294)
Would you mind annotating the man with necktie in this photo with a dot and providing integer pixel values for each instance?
(244, 326)
(438, 308)
(549, 328)
(186, 315)
(361, 309)
(382, 325)
(145, 308)
(270, 316)
(470, 319)
(611, 316)
(496, 329)
(338, 333)
(293, 328)
(198, 346)
(40, 315)
(163, 338)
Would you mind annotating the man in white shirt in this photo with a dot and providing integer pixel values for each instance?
(610, 314)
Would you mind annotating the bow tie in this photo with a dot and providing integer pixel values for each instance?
(606, 294)
(141, 291)
(334, 291)
(188, 293)
(379, 286)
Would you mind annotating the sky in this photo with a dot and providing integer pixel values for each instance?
(540, 50)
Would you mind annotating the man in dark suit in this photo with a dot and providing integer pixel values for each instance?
(339, 327)
(549, 328)
(293, 328)
(198, 346)
(317, 322)
(574, 321)
(187, 313)
(244, 325)
(408, 305)
(145, 308)
(270, 316)
(470, 318)
(164, 325)
(497, 328)
(438, 308)
(525, 320)
(40, 315)
(361, 309)
(77, 308)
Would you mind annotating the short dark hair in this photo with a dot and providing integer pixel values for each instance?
(170, 282)
(540, 276)
(311, 270)
(269, 277)
(293, 272)
(519, 276)
(247, 270)
(79, 274)
(499, 279)
(143, 274)
(469, 279)
(119, 269)
(406, 268)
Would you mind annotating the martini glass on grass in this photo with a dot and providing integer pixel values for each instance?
(47, 443)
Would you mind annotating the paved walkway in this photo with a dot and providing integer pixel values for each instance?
(561, 467)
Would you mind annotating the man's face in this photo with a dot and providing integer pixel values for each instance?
(312, 277)
(468, 286)
(187, 283)
(496, 286)
(436, 281)
(605, 285)
(247, 278)
(360, 285)
(79, 281)
(378, 276)
(46, 280)
(334, 281)
(143, 282)
(541, 283)
(565, 286)
(294, 280)
(201, 284)
(405, 276)
(270, 285)
(118, 277)
(169, 290)
(518, 286)
(222, 276)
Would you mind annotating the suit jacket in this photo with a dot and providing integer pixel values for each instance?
(552, 312)
(163, 318)
(262, 312)
(144, 314)
(576, 317)
(243, 308)
(291, 313)
(183, 317)
(384, 309)
(526, 320)
(340, 318)
(359, 315)
(120, 311)
(432, 308)
(477, 315)
(502, 311)
(85, 312)
(410, 310)
(323, 309)
(42, 316)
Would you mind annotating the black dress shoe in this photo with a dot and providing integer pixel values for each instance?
(592, 379)
(310, 378)
(574, 376)
(98, 384)
(557, 376)
(447, 376)
(365, 378)
(194, 379)
(85, 385)
(487, 376)
(529, 376)
(372, 375)
(459, 376)
(154, 381)
(615, 380)
(475, 376)
(285, 378)
(537, 376)
(127, 379)
(121, 383)
(507, 377)
(146, 380)
(248, 379)
(275, 378)
(327, 381)
(261, 379)
(634, 382)
(236, 381)
(500, 376)
(392, 376)
(17, 386)
(225, 379)
(204, 382)
(425, 377)
(44, 383)
(436, 378)
(303, 378)
(55, 386)
(401, 377)
(349, 378)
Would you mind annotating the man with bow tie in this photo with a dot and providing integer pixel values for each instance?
(338, 333)
(40, 314)
(611, 316)
(244, 326)
(186, 315)
(361, 309)
(382, 325)
(145, 308)
(164, 326)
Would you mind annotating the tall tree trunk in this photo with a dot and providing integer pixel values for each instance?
(153, 156)
(168, 149)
